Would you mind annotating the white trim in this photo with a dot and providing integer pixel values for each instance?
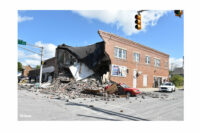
(156, 62)
(134, 57)
(120, 47)
(145, 59)
(146, 80)
(121, 53)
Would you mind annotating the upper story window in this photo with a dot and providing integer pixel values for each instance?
(166, 64)
(156, 62)
(148, 60)
(136, 57)
(120, 53)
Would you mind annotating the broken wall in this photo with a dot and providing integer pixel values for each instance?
(92, 57)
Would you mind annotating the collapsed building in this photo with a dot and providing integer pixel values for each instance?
(82, 62)
(75, 62)
(113, 59)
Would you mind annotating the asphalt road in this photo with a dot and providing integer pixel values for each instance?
(37, 106)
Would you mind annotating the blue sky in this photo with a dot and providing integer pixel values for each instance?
(161, 30)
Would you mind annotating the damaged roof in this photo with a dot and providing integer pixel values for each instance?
(91, 55)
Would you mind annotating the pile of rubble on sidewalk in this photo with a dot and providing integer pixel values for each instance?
(67, 87)
(91, 87)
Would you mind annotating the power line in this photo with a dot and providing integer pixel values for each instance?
(29, 50)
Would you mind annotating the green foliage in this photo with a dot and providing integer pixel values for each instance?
(37, 67)
(20, 67)
(177, 80)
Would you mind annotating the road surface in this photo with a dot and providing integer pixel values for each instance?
(38, 106)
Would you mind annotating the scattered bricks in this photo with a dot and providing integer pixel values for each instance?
(155, 96)
(112, 89)
(55, 97)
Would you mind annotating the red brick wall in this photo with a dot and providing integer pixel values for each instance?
(131, 47)
(26, 70)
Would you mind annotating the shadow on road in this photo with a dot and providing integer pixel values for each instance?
(98, 117)
(129, 117)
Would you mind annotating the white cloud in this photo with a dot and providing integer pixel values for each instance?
(20, 54)
(24, 18)
(124, 19)
(34, 59)
(31, 62)
(49, 49)
(174, 63)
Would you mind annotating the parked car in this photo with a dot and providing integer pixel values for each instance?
(123, 89)
(167, 86)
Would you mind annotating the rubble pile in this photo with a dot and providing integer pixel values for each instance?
(66, 87)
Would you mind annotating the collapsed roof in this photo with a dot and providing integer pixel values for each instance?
(94, 56)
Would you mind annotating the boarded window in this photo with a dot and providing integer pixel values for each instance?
(145, 80)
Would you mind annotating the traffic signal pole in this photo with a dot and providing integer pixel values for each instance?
(41, 66)
(21, 42)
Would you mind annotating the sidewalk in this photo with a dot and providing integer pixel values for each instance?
(148, 89)
(153, 89)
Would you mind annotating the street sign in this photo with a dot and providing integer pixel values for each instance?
(21, 42)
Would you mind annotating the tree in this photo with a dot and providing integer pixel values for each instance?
(20, 67)
(37, 67)
(177, 80)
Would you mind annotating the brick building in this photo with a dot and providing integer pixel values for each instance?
(135, 64)
(115, 58)
(26, 70)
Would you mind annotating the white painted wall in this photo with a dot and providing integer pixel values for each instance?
(80, 71)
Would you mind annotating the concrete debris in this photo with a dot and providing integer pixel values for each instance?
(153, 95)
(67, 88)
(112, 89)
(91, 106)
(67, 100)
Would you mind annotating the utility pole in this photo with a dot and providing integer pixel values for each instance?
(41, 65)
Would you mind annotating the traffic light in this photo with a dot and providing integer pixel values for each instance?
(138, 22)
(178, 12)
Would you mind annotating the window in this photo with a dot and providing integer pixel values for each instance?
(166, 64)
(120, 71)
(120, 53)
(124, 54)
(157, 62)
(136, 57)
(148, 60)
